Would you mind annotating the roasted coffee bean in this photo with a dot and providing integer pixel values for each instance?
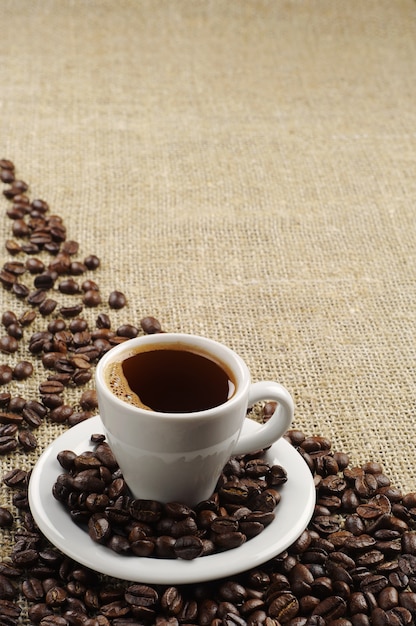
(61, 414)
(388, 598)
(8, 317)
(8, 345)
(51, 387)
(119, 544)
(150, 325)
(376, 506)
(103, 321)
(17, 404)
(78, 325)
(20, 290)
(330, 608)
(89, 285)
(7, 176)
(35, 266)
(8, 443)
(15, 330)
(87, 482)
(408, 542)
(92, 298)
(52, 401)
(18, 187)
(71, 310)
(32, 417)
(20, 228)
(9, 429)
(7, 279)
(27, 440)
(88, 400)
(227, 541)
(56, 596)
(49, 359)
(6, 374)
(45, 280)
(102, 333)
(117, 300)
(234, 492)
(37, 296)
(86, 461)
(79, 362)
(81, 338)
(70, 247)
(61, 377)
(40, 238)
(223, 524)
(66, 459)
(7, 589)
(146, 510)
(64, 365)
(33, 590)
(15, 267)
(47, 306)
(141, 596)
(77, 268)
(99, 528)
(284, 607)
(127, 330)
(104, 453)
(407, 564)
(4, 399)
(117, 339)
(25, 558)
(81, 377)
(6, 518)
(35, 406)
(15, 478)
(12, 246)
(8, 417)
(22, 370)
(69, 286)
(27, 318)
(6, 164)
(276, 476)
(92, 262)
(188, 547)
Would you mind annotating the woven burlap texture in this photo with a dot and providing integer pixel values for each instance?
(244, 170)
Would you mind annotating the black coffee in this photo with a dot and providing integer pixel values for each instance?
(171, 380)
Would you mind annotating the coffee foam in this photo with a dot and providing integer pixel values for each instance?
(117, 383)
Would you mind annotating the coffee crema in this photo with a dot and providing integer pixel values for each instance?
(170, 379)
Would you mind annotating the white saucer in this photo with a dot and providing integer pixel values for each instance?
(292, 516)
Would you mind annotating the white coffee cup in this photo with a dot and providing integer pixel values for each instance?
(179, 456)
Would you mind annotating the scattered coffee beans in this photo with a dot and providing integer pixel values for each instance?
(355, 564)
(320, 579)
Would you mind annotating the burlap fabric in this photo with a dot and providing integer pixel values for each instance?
(244, 170)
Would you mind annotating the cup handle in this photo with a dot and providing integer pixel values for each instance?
(276, 426)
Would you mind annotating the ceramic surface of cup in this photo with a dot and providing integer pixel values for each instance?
(177, 454)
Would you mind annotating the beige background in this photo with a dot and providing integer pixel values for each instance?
(245, 170)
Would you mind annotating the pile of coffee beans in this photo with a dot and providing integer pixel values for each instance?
(355, 564)
(97, 498)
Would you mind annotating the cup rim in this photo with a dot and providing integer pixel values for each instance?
(232, 360)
